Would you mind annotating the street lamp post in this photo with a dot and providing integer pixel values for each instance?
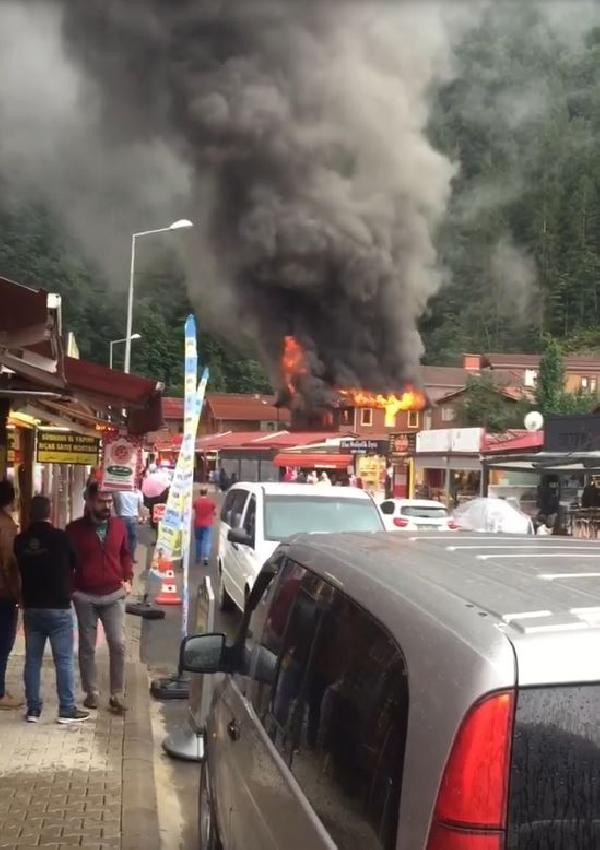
(180, 224)
(116, 342)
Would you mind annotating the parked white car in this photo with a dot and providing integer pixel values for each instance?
(415, 515)
(256, 517)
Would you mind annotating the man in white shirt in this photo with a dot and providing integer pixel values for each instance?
(129, 506)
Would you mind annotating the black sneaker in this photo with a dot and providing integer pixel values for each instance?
(91, 701)
(33, 716)
(76, 715)
(116, 705)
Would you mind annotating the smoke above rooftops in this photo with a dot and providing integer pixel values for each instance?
(292, 133)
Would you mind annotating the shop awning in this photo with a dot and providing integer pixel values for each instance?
(313, 460)
(547, 462)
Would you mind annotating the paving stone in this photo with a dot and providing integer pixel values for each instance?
(56, 783)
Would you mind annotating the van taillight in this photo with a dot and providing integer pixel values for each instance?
(470, 812)
(400, 522)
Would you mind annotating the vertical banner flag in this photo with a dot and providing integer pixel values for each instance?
(174, 534)
(187, 501)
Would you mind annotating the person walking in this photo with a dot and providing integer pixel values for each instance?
(103, 576)
(204, 517)
(47, 563)
(9, 590)
(129, 506)
(223, 480)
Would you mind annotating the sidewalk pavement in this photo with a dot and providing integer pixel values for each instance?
(89, 785)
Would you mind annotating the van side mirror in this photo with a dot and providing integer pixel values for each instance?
(387, 508)
(203, 653)
(240, 536)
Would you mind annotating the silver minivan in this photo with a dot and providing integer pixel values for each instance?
(434, 692)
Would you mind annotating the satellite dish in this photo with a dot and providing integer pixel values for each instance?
(534, 421)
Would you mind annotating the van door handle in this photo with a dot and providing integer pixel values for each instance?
(233, 730)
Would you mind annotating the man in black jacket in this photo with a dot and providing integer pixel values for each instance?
(46, 562)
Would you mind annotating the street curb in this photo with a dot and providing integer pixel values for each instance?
(139, 806)
(139, 813)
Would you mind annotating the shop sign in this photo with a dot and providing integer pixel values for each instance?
(67, 447)
(450, 441)
(572, 433)
(121, 459)
(363, 447)
(403, 444)
(371, 470)
(13, 455)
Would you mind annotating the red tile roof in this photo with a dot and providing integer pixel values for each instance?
(512, 441)
(172, 408)
(243, 407)
(238, 407)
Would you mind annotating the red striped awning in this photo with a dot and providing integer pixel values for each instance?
(313, 460)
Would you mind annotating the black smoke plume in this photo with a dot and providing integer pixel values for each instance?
(313, 187)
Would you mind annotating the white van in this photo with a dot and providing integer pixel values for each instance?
(256, 517)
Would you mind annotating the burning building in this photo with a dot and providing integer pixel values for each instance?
(353, 410)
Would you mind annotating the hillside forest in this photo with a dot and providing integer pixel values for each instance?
(519, 246)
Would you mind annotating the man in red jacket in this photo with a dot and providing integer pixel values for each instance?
(102, 580)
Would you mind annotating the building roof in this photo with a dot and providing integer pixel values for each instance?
(540, 595)
(172, 408)
(443, 376)
(573, 362)
(36, 367)
(514, 440)
(244, 407)
(245, 440)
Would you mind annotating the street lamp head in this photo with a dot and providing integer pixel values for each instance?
(181, 223)
(136, 336)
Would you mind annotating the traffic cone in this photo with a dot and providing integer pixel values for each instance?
(164, 564)
(169, 594)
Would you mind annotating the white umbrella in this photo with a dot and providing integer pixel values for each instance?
(494, 516)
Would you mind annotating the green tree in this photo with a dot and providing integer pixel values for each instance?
(34, 250)
(485, 406)
(551, 379)
(551, 395)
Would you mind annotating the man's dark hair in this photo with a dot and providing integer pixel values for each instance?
(203, 491)
(92, 490)
(7, 493)
(40, 509)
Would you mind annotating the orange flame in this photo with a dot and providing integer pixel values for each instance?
(411, 399)
(293, 363)
(293, 366)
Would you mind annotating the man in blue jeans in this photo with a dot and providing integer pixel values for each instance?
(46, 562)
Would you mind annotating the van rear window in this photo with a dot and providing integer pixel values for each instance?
(555, 779)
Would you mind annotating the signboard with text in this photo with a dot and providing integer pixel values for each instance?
(363, 447)
(121, 459)
(450, 441)
(572, 433)
(67, 447)
(403, 444)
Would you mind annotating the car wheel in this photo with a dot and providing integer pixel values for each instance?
(208, 838)
(225, 600)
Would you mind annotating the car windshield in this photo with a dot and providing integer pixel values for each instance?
(288, 515)
(424, 511)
